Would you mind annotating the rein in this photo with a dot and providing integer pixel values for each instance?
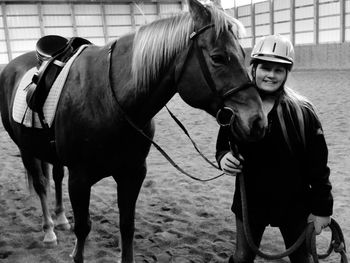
(337, 243)
(140, 131)
(212, 86)
(192, 141)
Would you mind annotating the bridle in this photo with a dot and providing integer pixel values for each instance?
(211, 85)
(208, 77)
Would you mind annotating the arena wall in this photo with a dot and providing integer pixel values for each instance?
(319, 57)
(319, 30)
(323, 56)
(316, 57)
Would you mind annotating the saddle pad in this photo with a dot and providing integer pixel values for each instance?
(21, 113)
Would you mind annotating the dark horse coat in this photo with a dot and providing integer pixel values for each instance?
(135, 77)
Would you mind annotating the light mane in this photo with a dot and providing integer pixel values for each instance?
(156, 44)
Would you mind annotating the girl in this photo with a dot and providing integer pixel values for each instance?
(286, 173)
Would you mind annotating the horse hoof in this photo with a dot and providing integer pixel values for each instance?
(50, 239)
(62, 222)
(50, 244)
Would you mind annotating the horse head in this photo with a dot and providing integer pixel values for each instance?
(211, 73)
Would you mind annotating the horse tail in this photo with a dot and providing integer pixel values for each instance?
(37, 168)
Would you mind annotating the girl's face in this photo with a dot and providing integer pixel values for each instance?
(269, 76)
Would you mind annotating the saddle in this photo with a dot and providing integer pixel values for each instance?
(52, 52)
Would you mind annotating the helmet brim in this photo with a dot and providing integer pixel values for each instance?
(272, 59)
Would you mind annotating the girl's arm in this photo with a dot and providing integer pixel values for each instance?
(318, 170)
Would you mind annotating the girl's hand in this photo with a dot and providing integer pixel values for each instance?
(320, 222)
(230, 165)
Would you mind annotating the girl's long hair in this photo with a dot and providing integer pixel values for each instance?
(297, 109)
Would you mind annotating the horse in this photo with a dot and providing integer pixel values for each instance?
(112, 89)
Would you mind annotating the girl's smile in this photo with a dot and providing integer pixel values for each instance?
(270, 76)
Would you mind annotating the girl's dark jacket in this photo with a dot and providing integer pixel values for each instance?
(281, 184)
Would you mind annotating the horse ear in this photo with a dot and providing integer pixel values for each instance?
(199, 14)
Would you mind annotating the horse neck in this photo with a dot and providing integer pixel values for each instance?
(158, 96)
(155, 99)
(142, 104)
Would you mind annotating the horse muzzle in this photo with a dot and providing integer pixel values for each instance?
(254, 130)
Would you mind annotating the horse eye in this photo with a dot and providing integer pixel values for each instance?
(219, 59)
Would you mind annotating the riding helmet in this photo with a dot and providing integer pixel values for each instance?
(274, 48)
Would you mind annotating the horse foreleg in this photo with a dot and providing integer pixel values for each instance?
(61, 219)
(128, 191)
(38, 170)
(79, 193)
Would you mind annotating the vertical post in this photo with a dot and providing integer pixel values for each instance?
(132, 17)
(104, 22)
(158, 9)
(252, 14)
(74, 22)
(41, 20)
(6, 29)
(342, 20)
(292, 21)
(272, 17)
(235, 9)
(183, 5)
(316, 22)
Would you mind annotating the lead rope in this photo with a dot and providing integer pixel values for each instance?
(248, 234)
(337, 241)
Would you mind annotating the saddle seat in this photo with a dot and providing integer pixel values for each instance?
(49, 46)
(52, 52)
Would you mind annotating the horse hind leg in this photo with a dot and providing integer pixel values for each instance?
(79, 193)
(61, 221)
(128, 190)
(38, 174)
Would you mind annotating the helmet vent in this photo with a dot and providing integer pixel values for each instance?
(274, 47)
(261, 47)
